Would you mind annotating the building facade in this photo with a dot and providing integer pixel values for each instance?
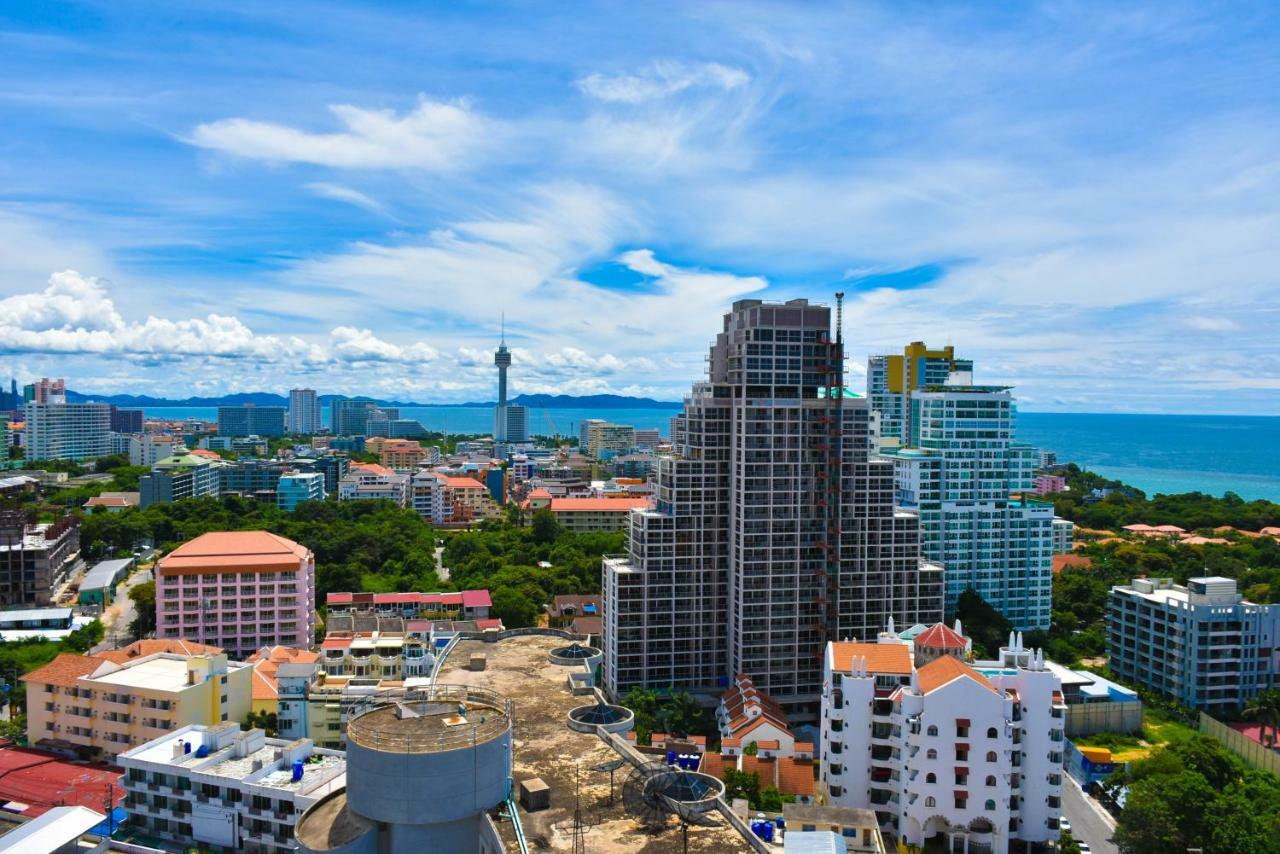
(297, 487)
(102, 705)
(1204, 644)
(240, 590)
(67, 431)
(35, 560)
(184, 475)
(961, 476)
(250, 420)
(892, 380)
(226, 788)
(609, 440)
(149, 448)
(350, 416)
(304, 412)
(774, 529)
(969, 752)
(126, 420)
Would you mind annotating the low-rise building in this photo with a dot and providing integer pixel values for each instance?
(583, 515)
(564, 609)
(295, 488)
(364, 481)
(1046, 484)
(746, 716)
(148, 449)
(1064, 533)
(36, 782)
(98, 586)
(376, 655)
(1204, 644)
(99, 706)
(454, 605)
(968, 752)
(858, 829)
(183, 475)
(240, 590)
(266, 664)
(220, 786)
(114, 502)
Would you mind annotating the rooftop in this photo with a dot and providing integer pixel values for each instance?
(945, 670)
(148, 646)
(894, 658)
(234, 551)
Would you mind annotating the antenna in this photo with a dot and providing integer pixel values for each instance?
(503, 333)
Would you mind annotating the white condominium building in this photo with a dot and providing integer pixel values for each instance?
(970, 752)
(227, 788)
(1064, 535)
(304, 412)
(969, 481)
(68, 431)
(773, 529)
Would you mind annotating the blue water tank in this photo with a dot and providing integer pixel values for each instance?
(297, 770)
(202, 751)
(186, 747)
(671, 757)
(766, 831)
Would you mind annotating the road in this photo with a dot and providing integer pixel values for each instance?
(120, 613)
(441, 570)
(1089, 821)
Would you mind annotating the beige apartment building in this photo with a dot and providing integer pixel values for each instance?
(99, 706)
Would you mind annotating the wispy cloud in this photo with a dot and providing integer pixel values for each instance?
(339, 193)
(661, 80)
(433, 136)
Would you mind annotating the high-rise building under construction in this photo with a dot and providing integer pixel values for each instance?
(774, 529)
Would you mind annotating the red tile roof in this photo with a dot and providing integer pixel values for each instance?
(64, 670)
(145, 647)
(266, 662)
(597, 505)
(944, 670)
(795, 777)
(892, 658)
(1062, 561)
(941, 637)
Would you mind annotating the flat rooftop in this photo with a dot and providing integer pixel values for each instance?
(160, 673)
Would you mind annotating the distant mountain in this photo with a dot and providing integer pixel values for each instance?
(261, 398)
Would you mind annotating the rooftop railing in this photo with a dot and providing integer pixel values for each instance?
(488, 715)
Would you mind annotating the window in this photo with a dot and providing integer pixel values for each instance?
(991, 732)
(990, 805)
(933, 730)
(931, 777)
(962, 728)
(991, 756)
(932, 754)
(991, 780)
(930, 802)
(961, 803)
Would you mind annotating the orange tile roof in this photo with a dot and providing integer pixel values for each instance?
(1062, 561)
(769, 744)
(892, 658)
(944, 670)
(117, 500)
(804, 746)
(462, 483)
(205, 453)
(741, 728)
(145, 647)
(540, 492)
(63, 670)
(579, 505)
(267, 661)
(233, 551)
(766, 768)
(941, 637)
(795, 777)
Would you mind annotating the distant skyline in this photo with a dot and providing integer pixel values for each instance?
(206, 198)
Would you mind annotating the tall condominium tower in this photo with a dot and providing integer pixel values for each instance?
(304, 412)
(774, 529)
(892, 379)
(57, 430)
(970, 481)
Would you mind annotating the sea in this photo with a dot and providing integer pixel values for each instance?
(1213, 454)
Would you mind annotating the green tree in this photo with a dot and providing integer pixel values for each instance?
(742, 784)
(545, 526)
(144, 601)
(514, 609)
(1265, 708)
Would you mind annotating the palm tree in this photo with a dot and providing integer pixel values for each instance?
(1265, 707)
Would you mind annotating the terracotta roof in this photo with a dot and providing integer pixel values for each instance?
(768, 744)
(143, 648)
(207, 454)
(941, 637)
(234, 551)
(1061, 562)
(741, 727)
(944, 670)
(587, 625)
(804, 746)
(795, 777)
(766, 768)
(113, 499)
(462, 483)
(583, 505)
(1204, 541)
(63, 670)
(267, 661)
(33, 782)
(576, 602)
(892, 658)
(540, 492)
(1139, 527)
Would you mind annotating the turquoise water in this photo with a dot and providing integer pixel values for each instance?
(1156, 453)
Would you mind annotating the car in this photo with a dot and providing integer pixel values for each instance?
(1064, 825)
(1083, 848)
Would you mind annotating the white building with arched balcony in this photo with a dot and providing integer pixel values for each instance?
(970, 751)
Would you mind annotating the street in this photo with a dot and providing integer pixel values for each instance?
(120, 613)
(441, 570)
(1089, 822)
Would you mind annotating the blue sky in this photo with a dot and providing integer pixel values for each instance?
(200, 197)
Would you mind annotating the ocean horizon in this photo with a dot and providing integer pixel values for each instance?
(1213, 454)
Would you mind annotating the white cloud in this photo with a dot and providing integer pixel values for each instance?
(662, 79)
(339, 193)
(434, 136)
(361, 345)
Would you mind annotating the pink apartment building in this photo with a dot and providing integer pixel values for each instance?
(1048, 483)
(240, 590)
